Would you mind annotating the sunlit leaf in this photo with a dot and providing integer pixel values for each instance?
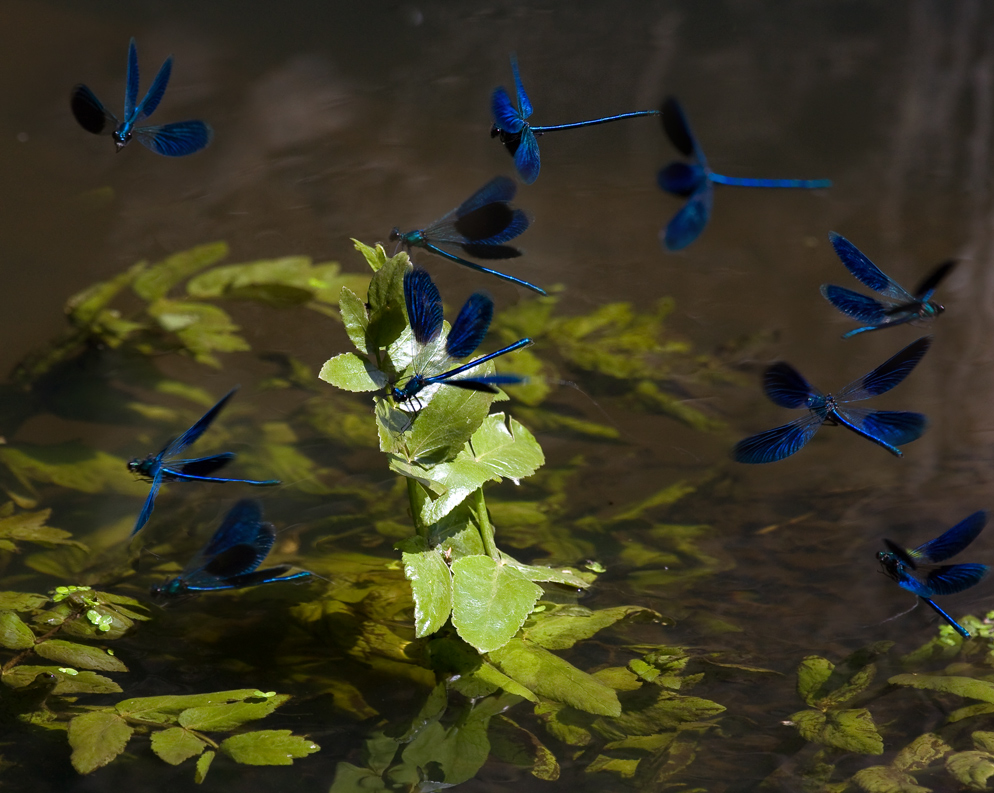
(96, 739)
(460, 751)
(543, 574)
(812, 674)
(352, 372)
(972, 769)
(375, 257)
(490, 601)
(560, 632)
(887, 779)
(173, 705)
(84, 682)
(385, 299)
(968, 687)
(431, 583)
(624, 768)
(850, 730)
(355, 318)
(155, 281)
(203, 766)
(71, 465)
(550, 676)
(922, 752)
(268, 747)
(175, 745)
(21, 601)
(514, 744)
(228, 716)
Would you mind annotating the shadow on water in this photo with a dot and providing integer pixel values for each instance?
(335, 121)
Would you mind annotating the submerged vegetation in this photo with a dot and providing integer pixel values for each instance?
(444, 622)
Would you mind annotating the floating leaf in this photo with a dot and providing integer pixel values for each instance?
(560, 632)
(351, 372)
(922, 752)
(972, 769)
(228, 716)
(949, 684)
(670, 711)
(69, 682)
(616, 765)
(849, 730)
(21, 601)
(174, 745)
(812, 674)
(460, 751)
(30, 527)
(431, 583)
(202, 329)
(203, 766)
(96, 739)
(490, 601)
(887, 779)
(267, 747)
(550, 676)
(146, 708)
(514, 744)
(14, 634)
(72, 654)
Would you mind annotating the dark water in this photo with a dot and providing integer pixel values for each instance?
(339, 120)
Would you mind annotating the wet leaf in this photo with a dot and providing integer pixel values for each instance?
(616, 765)
(514, 744)
(560, 632)
(72, 654)
(887, 779)
(431, 583)
(78, 683)
(156, 281)
(922, 752)
(96, 739)
(203, 766)
(21, 601)
(351, 372)
(849, 730)
(146, 708)
(670, 711)
(550, 676)
(460, 751)
(175, 745)
(972, 769)
(555, 575)
(565, 730)
(14, 634)
(491, 676)
(228, 716)
(354, 316)
(857, 683)
(812, 674)
(268, 747)
(949, 684)
(490, 601)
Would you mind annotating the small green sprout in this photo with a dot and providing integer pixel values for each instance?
(68, 670)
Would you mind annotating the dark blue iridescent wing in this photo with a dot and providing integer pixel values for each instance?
(89, 112)
(202, 466)
(500, 189)
(687, 224)
(175, 140)
(149, 504)
(198, 429)
(526, 158)
(950, 579)
(506, 116)
(470, 326)
(784, 386)
(779, 442)
(242, 526)
(424, 305)
(156, 91)
(888, 374)
(677, 128)
(131, 83)
(951, 542)
(524, 104)
(855, 305)
(865, 271)
(893, 427)
(487, 382)
(931, 281)
(680, 178)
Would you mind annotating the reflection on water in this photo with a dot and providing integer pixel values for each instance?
(335, 121)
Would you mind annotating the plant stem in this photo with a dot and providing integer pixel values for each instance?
(413, 497)
(485, 526)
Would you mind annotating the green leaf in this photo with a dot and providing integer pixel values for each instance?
(71, 465)
(385, 298)
(560, 632)
(352, 372)
(857, 683)
(512, 743)
(228, 716)
(849, 730)
(812, 674)
(460, 751)
(375, 257)
(431, 583)
(972, 769)
(203, 766)
(267, 747)
(85, 307)
(489, 675)
(352, 779)
(490, 601)
(984, 741)
(201, 328)
(78, 683)
(550, 676)
(174, 745)
(155, 282)
(444, 424)
(30, 527)
(354, 316)
(96, 739)
(949, 684)
(670, 711)
(146, 708)
(616, 765)
(21, 601)
(887, 779)
(14, 634)
(72, 654)
(922, 752)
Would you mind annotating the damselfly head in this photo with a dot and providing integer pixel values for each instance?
(395, 234)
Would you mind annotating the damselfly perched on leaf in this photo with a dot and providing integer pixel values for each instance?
(519, 137)
(172, 140)
(480, 227)
(433, 354)
(164, 467)
(231, 558)
(695, 181)
(903, 565)
(785, 386)
(900, 305)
